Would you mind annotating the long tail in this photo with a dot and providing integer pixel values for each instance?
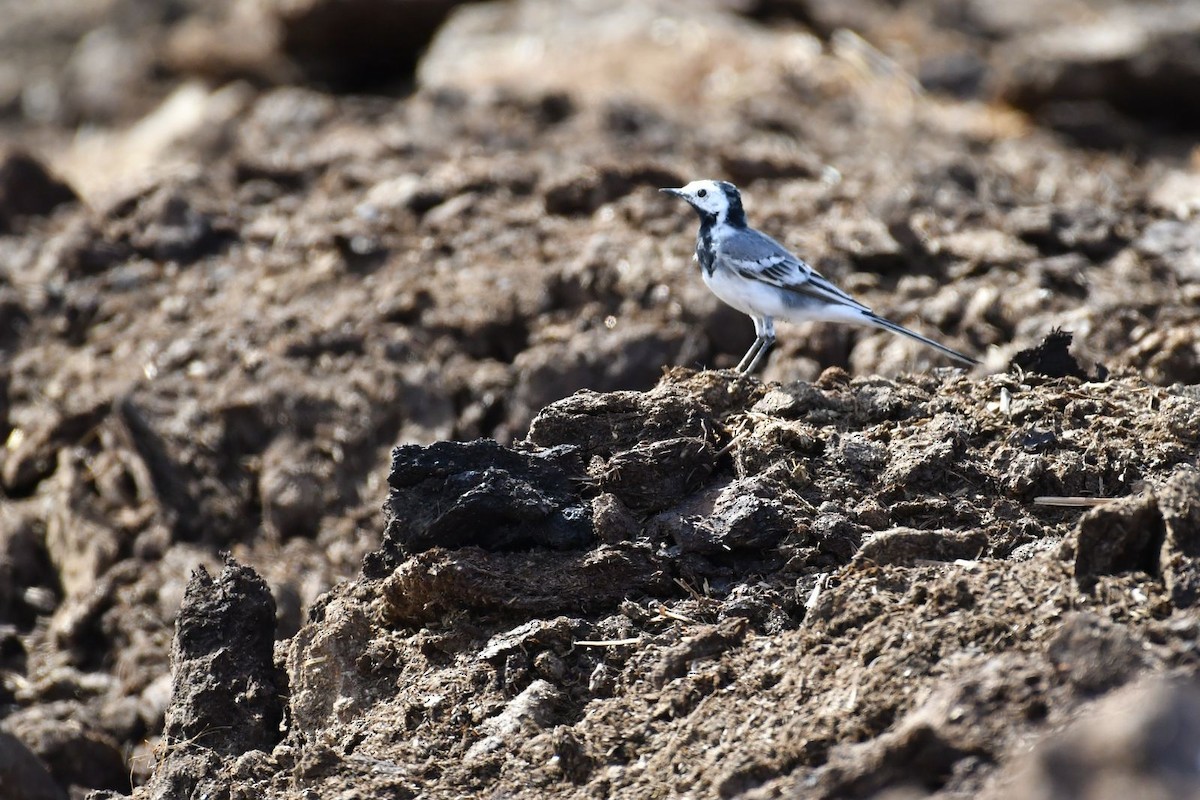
(888, 325)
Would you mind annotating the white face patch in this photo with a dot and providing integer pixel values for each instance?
(707, 196)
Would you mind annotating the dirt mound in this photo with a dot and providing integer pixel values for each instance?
(854, 590)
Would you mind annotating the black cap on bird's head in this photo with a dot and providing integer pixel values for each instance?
(715, 201)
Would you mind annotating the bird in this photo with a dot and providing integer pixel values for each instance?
(758, 276)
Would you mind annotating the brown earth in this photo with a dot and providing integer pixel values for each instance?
(605, 565)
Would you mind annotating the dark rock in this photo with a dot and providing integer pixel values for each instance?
(22, 775)
(78, 755)
(358, 44)
(223, 651)
(456, 494)
(1053, 359)
(27, 189)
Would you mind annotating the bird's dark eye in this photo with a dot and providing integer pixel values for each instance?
(702, 193)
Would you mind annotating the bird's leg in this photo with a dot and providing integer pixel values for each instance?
(765, 347)
(766, 342)
(759, 338)
(746, 359)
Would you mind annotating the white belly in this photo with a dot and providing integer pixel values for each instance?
(749, 297)
(762, 300)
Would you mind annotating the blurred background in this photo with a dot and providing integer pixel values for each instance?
(1099, 70)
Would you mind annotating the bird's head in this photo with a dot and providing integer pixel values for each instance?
(715, 201)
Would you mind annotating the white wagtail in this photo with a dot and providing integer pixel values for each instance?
(758, 276)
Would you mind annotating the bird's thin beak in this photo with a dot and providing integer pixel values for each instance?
(676, 192)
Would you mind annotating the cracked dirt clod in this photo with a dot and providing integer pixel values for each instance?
(1120, 537)
(655, 475)
(1156, 533)
(606, 424)
(479, 493)
(227, 696)
(1179, 561)
(905, 546)
(437, 582)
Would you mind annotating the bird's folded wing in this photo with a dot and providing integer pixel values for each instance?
(758, 257)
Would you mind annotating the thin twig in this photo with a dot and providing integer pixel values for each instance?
(1074, 502)
(687, 588)
(666, 612)
(734, 442)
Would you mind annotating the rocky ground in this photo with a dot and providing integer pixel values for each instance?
(369, 432)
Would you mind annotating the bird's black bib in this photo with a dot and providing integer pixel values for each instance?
(706, 253)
